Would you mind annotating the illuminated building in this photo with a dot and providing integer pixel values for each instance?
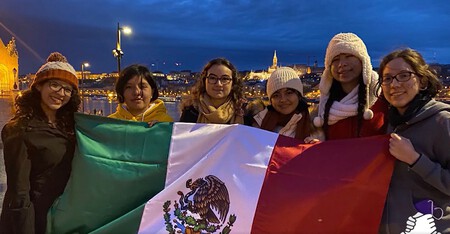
(264, 75)
(9, 66)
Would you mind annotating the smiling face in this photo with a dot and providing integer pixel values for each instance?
(346, 69)
(219, 92)
(54, 94)
(285, 100)
(400, 94)
(137, 94)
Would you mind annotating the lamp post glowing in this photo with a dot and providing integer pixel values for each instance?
(83, 65)
(117, 52)
(15, 78)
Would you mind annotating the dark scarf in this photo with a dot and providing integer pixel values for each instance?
(414, 106)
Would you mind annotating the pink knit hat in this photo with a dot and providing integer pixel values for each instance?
(56, 67)
(347, 43)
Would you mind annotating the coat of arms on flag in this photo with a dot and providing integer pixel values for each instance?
(197, 178)
(203, 209)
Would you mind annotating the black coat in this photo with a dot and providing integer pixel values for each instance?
(189, 115)
(38, 162)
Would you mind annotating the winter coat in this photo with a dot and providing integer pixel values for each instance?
(427, 182)
(347, 128)
(38, 163)
(156, 111)
(189, 115)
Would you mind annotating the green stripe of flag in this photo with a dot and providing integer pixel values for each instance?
(113, 176)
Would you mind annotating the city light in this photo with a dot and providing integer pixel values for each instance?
(83, 65)
(117, 52)
(126, 30)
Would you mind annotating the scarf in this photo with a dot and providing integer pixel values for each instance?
(347, 107)
(414, 106)
(224, 114)
(293, 125)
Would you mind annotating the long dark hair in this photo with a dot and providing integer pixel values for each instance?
(336, 94)
(305, 125)
(199, 88)
(28, 106)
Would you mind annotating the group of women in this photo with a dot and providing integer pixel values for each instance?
(355, 101)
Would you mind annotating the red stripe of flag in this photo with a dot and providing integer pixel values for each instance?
(336, 186)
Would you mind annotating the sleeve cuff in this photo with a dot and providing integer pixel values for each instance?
(423, 166)
(414, 163)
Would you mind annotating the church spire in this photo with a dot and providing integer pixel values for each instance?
(275, 59)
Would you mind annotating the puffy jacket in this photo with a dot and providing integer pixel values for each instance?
(156, 111)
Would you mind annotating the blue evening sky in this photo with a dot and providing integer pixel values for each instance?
(193, 32)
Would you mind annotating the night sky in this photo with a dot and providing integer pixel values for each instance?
(193, 32)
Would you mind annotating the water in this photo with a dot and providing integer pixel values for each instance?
(101, 105)
(104, 106)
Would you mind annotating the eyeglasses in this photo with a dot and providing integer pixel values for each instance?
(223, 80)
(400, 77)
(55, 86)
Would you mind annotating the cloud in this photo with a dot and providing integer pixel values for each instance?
(246, 31)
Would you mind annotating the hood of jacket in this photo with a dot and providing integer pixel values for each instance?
(430, 109)
(155, 111)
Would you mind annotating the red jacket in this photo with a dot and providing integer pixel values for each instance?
(346, 128)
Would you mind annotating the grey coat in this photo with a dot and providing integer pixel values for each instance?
(428, 180)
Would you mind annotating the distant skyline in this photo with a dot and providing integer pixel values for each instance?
(191, 32)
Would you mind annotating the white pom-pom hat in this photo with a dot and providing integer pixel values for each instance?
(283, 77)
(347, 43)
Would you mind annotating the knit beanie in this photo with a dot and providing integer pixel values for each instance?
(56, 67)
(283, 77)
(347, 43)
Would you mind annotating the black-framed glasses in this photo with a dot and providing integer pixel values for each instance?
(223, 80)
(55, 86)
(400, 77)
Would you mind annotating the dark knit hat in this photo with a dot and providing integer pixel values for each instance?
(56, 67)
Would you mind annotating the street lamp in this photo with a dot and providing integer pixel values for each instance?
(83, 65)
(15, 78)
(117, 52)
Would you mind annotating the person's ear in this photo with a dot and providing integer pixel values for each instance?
(423, 83)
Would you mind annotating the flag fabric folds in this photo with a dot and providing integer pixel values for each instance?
(198, 178)
(117, 167)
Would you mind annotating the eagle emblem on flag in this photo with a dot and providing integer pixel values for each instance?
(204, 208)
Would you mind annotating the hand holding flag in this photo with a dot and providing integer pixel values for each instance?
(402, 149)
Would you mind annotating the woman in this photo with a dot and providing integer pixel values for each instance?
(348, 105)
(138, 97)
(39, 144)
(217, 97)
(420, 134)
(288, 113)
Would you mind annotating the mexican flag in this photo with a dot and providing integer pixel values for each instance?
(200, 178)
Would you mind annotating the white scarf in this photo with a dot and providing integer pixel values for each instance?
(291, 127)
(288, 130)
(345, 108)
